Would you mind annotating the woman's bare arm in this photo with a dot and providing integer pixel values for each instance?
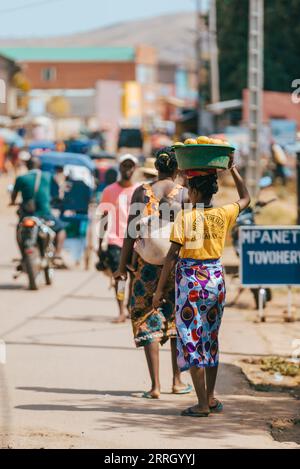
(169, 266)
(245, 199)
(128, 243)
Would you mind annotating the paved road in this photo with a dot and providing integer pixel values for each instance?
(72, 379)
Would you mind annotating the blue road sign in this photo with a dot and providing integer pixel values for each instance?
(270, 256)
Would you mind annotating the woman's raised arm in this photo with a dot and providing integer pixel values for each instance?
(245, 199)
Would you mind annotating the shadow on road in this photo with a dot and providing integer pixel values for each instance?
(12, 286)
(246, 412)
(93, 392)
(116, 347)
(6, 266)
(91, 298)
(83, 346)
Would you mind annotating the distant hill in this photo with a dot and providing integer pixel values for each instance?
(172, 35)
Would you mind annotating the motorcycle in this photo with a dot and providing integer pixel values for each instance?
(247, 218)
(36, 242)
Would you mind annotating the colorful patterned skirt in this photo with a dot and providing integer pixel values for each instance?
(200, 300)
(151, 325)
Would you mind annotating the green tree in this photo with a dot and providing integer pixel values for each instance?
(282, 45)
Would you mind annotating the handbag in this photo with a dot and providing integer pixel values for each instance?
(153, 242)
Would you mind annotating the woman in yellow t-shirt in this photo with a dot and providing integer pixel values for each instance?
(197, 243)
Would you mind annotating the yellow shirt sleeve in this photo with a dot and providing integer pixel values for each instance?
(177, 232)
(232, 211)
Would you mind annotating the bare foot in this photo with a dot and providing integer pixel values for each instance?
(212, 401)
(119, 320)
(215, 405)
(153, 394)
(196, 411)
(58, 263)
(199, 409)
(181, 388)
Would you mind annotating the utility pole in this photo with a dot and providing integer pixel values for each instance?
(199, 61)
(255, 86)
(214, 54)
(298, 187)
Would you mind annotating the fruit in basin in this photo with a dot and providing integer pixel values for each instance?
(190, 141)
(202, 140)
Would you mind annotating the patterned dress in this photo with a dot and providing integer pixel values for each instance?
(151, 325)
(200, 300)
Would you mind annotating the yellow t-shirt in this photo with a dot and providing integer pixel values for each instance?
(202, 232)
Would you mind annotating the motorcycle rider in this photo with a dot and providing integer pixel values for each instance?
(40, 194)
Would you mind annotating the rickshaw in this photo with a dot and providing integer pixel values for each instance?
(38, 147)
(80, 145)
(72, 190)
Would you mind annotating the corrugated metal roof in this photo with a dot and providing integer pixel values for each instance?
(69, 54)
(6, 57)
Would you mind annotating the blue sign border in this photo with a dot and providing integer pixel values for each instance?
(261, 227)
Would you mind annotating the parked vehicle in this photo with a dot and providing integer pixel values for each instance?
(73, 200)
(106, 169)
(81, 145)
(130, 138)
(35, 148)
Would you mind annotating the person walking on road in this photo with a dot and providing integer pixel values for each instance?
(152, 327)
(114, 209)
(197, 242)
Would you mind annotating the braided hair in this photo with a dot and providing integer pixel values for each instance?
(166, 162)
(206, 185)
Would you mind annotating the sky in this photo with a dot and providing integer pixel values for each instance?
(20, 18)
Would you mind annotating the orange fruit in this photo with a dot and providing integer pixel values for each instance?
(190, 141)
(203, 140)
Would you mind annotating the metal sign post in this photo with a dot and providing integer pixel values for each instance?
(261, 300)
(290, 303)
(298, 186)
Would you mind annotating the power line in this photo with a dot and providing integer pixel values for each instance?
(28, 5)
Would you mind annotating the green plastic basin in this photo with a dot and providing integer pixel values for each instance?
(203, 156)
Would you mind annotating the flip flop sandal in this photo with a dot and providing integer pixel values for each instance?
(216, 409)
(190, 413)
(148, 395)
(185, 390)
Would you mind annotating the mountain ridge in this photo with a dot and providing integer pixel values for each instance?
(173, 35)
